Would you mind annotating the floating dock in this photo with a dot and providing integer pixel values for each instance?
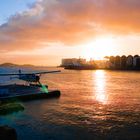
(25, 93)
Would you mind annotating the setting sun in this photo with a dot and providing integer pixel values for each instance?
(99, 48)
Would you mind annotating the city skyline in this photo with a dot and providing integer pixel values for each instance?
(42, 32)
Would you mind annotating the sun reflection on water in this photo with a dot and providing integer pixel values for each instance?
(100, 86)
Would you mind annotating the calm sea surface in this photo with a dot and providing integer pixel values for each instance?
(94, 104)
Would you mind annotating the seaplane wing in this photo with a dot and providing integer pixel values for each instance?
(36, 73)
(45, 72)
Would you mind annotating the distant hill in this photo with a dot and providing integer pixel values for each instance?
(15, 65)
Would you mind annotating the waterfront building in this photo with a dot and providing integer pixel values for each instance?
(117, 62)
(129, 61)
(123, 62)
(73, 61)
(68, 61)
(101, 64)
(136, 61)
(111, 62)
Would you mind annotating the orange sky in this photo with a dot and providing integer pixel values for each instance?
(50, 30)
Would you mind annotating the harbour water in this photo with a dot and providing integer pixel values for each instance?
(94, 105)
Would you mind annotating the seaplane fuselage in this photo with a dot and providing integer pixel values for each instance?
(29, 77)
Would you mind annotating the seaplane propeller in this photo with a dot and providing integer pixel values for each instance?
(30, 77)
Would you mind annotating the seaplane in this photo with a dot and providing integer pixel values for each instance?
(29, 77)
(32, 89)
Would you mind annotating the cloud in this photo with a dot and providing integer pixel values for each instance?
(69, 22)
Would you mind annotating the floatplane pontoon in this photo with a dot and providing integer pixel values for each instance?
(34, 89)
